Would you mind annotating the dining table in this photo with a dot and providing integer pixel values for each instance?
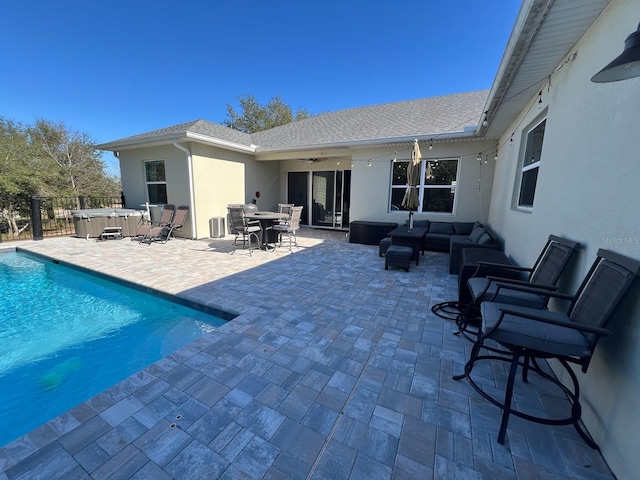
(267, 220)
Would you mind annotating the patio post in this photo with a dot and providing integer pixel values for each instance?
(36, 217)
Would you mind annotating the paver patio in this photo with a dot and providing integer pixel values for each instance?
(334, 368)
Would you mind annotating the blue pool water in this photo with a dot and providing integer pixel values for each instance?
(66, 336)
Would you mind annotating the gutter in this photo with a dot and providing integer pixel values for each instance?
(369, 142)
(192, 209)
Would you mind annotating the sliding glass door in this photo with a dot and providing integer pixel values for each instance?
(330, 195)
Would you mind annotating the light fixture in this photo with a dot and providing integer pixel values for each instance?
(626, 65)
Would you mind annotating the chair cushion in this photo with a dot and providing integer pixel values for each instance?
(511, 297)
(539, 336)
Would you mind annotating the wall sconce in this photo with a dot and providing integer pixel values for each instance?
(626, 65)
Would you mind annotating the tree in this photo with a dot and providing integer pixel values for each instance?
(73, 165)
(256, 117)
(47, 159)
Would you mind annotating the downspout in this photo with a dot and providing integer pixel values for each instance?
(192, 210)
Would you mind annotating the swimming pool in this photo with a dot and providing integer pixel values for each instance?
(66, 335)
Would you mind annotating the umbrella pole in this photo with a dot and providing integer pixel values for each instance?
(410, 220)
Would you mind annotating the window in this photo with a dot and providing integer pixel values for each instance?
(531, 165)
(437, 187)
(156, 182)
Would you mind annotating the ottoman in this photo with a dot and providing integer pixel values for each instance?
(385, 243)
(398, 256)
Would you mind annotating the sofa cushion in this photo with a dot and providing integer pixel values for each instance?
(476, 225)
(418, 223)
(460, 239)
(485, 239)
(475, 235)
(463, 228)
(441, 228)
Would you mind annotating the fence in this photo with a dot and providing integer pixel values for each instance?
(24, 217)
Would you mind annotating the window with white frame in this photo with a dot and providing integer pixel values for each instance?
(531, 165)
(156, 180)
(437, 188)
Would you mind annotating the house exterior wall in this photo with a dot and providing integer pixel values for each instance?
(133, 177)
(587, 190)
(219, 179)
(370, 186)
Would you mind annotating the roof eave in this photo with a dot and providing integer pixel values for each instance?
(372, 142)
(161, 140)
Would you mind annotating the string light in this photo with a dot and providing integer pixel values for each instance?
(485, 122)
(430, 144)
(338, 162)
(369, 163)
(395, 157)
(479, 157)
(540, 99)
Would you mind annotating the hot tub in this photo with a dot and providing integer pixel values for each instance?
(90, 223)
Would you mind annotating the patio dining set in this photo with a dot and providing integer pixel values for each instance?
(263, 230)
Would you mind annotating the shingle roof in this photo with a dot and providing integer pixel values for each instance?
(202, 127)
(427, 116)
(433, 116)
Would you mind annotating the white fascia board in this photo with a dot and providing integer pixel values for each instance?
(169, 138)
(221, 143)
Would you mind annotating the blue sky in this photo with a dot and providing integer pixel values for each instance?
(122, 67)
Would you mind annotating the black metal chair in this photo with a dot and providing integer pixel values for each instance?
(240, 225)
(529, 334)
(544, 275)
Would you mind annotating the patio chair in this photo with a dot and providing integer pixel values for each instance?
(544, 274)
(290, 227)
(285, 208)
(168, 210)
(529, 334)
(241, 225)
(162, 233)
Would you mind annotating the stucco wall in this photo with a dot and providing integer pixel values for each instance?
(133, 178)
(370, 186)
(588, 191)
(218, 178)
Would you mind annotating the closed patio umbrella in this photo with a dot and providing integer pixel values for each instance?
(410, 199)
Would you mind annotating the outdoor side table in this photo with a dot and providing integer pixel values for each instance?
(404, 237)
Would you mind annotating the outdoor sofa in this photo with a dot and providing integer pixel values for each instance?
(453, 237)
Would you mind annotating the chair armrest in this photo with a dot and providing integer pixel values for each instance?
(538, 291)
(523, 283)
(500, 266)
(553, 321)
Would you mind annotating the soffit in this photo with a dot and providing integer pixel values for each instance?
(545, 33)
